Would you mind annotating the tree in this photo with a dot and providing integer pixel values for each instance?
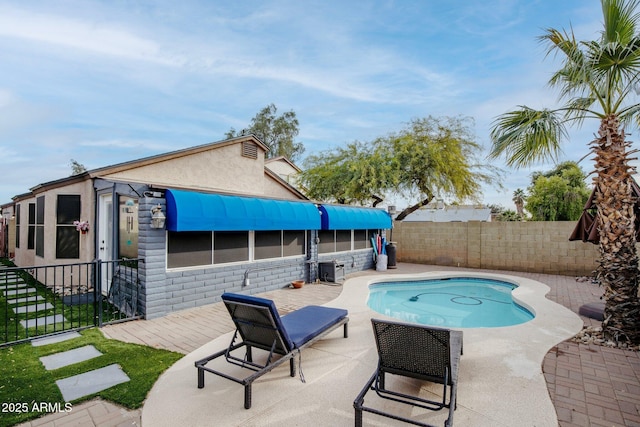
(77, 168)
(518, 199)
(508, 215)
(354, 174)
(597, 79)
(277, 132)
(558, 195)
(431, 157)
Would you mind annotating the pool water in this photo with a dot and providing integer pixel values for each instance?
(458, 302)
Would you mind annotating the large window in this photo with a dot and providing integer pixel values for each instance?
(40, 226)
(343, 240)
(276, 244)
(190, 249)
(67, 236)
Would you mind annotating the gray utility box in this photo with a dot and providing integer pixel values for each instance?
(331, 271)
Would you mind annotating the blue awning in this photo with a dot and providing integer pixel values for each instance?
(334, 217)
(192, 211)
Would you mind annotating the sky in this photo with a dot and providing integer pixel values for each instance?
(104, 82)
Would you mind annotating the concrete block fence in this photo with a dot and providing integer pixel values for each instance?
(540, 246)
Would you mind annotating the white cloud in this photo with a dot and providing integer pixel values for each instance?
(87, 36)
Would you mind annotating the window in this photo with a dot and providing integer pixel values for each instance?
(17, 226)
(293, 243)
(190, 248)
(268, 244)
(361, 239)
(343, 240)
(327, 241)
(276, 244)
(230, 246)
(40, 226)
(128, 228)
(31, 230)
(67, 236)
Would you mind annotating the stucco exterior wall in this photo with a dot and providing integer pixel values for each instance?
(28, 257)
(219, 169)
(541, 247)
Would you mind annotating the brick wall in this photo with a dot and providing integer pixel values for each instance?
(537, 246)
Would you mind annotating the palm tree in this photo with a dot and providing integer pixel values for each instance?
(518, 199)
(597, 79)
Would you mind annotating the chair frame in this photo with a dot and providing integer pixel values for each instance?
(275, 345)
(449, 379)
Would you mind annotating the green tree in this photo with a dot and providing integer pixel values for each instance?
(277, 132)
(597, 79)
(431, 157)
(518, 200)
(77, 168)
(508, 215)
(558, 195)
(354, 174)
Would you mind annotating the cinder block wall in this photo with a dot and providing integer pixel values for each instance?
(541, 247)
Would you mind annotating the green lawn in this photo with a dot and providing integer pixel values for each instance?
(26, 384)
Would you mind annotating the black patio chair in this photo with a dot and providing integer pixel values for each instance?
(258, 325)
(414, 351)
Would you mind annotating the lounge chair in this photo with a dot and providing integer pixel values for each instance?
(258, 325)
(414, 351)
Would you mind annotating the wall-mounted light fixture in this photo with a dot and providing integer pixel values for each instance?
(157, 217)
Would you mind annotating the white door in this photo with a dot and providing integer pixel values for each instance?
(105, 236)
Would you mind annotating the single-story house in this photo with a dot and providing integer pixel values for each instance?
(207, 219)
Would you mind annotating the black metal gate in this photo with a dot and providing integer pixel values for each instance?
(45, 300)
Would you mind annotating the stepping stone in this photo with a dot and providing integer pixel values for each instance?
(91, 382)
(70, 357)
(32, 298)
(42, 321)
(32, 308)
(16, 292)
(53, 339)
(12, 286)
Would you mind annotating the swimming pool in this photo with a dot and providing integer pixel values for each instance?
(458, 302)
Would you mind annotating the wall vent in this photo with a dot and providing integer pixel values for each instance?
(249, 149)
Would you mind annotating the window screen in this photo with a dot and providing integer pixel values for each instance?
(327, 241)
(189, 248)
(230, 246)
(293, 243)
(268, 244)
(343, 240)
(67, 237)
(361, 239)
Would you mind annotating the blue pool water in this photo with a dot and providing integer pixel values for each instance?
(458, 302)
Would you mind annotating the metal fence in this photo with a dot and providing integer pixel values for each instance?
(45, 300)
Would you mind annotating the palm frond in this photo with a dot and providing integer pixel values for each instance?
(526, 135)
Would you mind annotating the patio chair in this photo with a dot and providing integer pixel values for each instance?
(414, 351)
(258, 325)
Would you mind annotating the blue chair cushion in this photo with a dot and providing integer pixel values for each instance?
(308, 322)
